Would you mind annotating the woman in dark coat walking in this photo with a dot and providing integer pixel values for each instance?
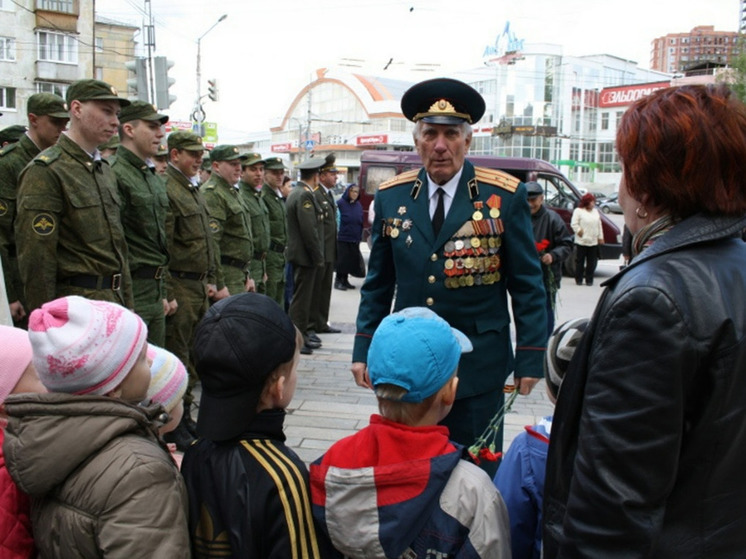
(349, 234)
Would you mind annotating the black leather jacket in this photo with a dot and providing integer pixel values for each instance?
(648, 447)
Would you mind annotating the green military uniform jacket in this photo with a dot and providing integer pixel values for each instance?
(230, 224)
(69, 224)
(189, 236)
(144, 208)
(13, 158)
(259, 215)
(305, 227)
(329, 208)
(485, 249)
(278, 221)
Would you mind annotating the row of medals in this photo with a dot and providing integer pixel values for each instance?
(474, 259)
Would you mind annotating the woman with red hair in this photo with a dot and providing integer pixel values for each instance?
(648, 448)
(589, 233)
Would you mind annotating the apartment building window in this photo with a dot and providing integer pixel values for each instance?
(65, 6)
(52, 87)
(7, 48)
(605, 120)
(99, 44)
(7, 97)
(57, 47)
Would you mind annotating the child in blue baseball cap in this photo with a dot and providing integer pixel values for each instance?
(400, 487)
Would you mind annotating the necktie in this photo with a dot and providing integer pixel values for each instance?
(440, 212)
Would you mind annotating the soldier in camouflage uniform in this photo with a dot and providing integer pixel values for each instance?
(274, 173)
(250, 185)
(144, 207)
(192, 262)
(11, 134)
(229, 221)
(47, 116)
(68, 228)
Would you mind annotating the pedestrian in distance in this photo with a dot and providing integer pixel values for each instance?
(589, 233)
(457, 239)
(648, 442)
(400, 487)
(349, 259)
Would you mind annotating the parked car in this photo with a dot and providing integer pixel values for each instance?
(610, 205)
(377, 166)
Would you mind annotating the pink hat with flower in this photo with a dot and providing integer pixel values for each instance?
(168, 378)
(16, 358)
(83, 346)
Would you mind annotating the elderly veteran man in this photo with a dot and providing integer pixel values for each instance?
(457, 239)
(68, 229)
(274, 174)
(305, 247)
(230, 222)
(192, 263)
(250, 186)
(144, 207)
(47, 118)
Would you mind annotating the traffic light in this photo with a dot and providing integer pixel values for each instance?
(161, 66)
(137, 86)
(212, 89)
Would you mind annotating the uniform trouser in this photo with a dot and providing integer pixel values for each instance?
(148, 294)
(586, 259)
(469, 418)
(323, 297)
(289, 285)
(257, 270)
(235, 279)
(191, 297)
(275, 263)
(304, 278)
(63, 290)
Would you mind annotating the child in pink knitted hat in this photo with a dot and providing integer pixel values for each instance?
(17, 375)
(100, 479)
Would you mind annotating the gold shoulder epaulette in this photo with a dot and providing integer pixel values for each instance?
(8, 148)
(47, 156)
(404, 178)
(497, 178)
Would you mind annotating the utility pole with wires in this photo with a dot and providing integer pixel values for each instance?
(149, 36)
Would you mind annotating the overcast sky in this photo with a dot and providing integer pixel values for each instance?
(265, 51)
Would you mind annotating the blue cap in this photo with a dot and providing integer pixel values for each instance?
(416, 350)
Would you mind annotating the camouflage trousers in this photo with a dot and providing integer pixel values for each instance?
(257, 270)
(276, 277)
(148, 294)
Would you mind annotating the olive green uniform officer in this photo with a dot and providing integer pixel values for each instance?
(274, 172)
(144, 207)
(252, 177)
(461, 259)
(11, 134)
(47, 114)
(230, 222)
(192, 257)
(68, 229)
(305, 246)
(320, 307)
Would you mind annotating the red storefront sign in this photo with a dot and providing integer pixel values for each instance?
(281, 148)
(372, 140)
(626, 95)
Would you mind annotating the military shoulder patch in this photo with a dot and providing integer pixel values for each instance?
(403, 178)
(214, 225)
(501, 179)
(307, 205)
(48, 156)
(43, 224)
(4, 206)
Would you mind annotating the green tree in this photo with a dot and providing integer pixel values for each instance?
(735, 74)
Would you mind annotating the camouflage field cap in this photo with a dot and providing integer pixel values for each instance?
(274, 164)
(12, 133)
(162, 151)
(41, 104)
(184, 139)
(141, 110)
(113, 143)
(249, 159)
(224, 153)
(94, 90)
(206, 162)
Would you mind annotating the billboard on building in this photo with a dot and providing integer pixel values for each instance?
(628, 94)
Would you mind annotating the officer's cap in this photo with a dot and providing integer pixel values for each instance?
(442, 101)
(533, 189)
(12, 133)
(94, 90)
(249, 159)
(141, 110)
(312, 164)
(329, 164)
(41, 104)
(184, 139)
(224, 153)
(274, 164)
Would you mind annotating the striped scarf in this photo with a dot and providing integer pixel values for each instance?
(652, 231)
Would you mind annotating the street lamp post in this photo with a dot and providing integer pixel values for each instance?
(199, 114)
